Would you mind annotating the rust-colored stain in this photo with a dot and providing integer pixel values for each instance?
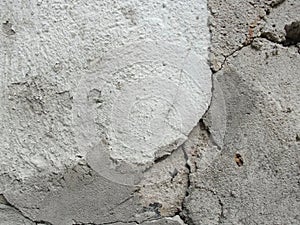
(251, 28)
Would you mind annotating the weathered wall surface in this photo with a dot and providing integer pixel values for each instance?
(150, 112)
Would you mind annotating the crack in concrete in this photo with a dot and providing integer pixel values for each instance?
(221, 216)
(182, 214)
(249, 43)
(249, 40)
(276, 3)
(184, 217)
(245, 44)
(38, 222)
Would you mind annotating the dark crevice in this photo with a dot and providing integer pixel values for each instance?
(245, 44)
(221, 216)
(292, 33)
(6, 202)
(270, 37)
(205, 127)
(161, 158)
(276, 3)
(183, 214)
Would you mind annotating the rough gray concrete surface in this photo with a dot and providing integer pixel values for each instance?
(150, 112)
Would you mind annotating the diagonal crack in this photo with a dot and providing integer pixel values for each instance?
(243, 45)
(221, 216)
(249, 40)
(276, 3)
(263, 35)
(184, 213)
(3, 200)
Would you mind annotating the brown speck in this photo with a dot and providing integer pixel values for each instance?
(238, 159)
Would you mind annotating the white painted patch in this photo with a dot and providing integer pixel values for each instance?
(144, 98)
(132, 72)
(149, 96)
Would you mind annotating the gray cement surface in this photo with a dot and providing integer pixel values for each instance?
(231, 159)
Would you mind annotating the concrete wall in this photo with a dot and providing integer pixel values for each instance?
(149, 112)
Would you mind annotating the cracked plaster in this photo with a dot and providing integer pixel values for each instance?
(254, 113)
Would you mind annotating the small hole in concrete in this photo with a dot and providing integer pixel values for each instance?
(7, 28)
(154, 207)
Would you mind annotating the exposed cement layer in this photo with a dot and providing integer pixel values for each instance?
(78, 148)
(11, 216)
(255, 177)
(264, 188)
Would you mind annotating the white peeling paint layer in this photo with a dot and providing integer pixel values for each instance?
(74, 73)
(147, 97)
